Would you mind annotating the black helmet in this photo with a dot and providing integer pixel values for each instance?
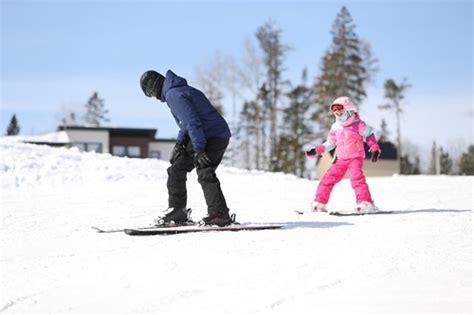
(151, 83)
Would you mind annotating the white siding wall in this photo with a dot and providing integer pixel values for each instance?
(96, 136)
(164, 148)
(380, 168)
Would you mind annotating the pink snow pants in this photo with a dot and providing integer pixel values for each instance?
(336, 172)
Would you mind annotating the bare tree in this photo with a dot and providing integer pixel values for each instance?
(210, 80)
(95, 111)
(395, 93)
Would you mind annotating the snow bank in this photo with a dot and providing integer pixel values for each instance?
(417, 260)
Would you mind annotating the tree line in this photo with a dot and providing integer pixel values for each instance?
(272, 118)
(276, 117)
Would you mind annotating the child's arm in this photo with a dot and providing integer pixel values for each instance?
(368, 134)
(326, 146)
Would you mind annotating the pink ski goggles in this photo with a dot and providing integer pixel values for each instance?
(337, 108)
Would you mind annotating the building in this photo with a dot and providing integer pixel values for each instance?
(130, 142)
(386, 166)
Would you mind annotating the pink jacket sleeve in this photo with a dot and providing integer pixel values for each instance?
(368, 134)
(371, 142)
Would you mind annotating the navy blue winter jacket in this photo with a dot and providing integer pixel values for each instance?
(197, 119)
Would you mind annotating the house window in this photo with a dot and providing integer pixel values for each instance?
(133, 151)
(155, 154)
(119, 150)
(88, 146)
(126, 150)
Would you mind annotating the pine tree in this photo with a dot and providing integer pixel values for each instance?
(446, 163)
(269, 38)
(384, 133)
(13, 128)
(395, 93)
(250, 126)
(95, 111)
(296, 130)
(346, 68)
(408, 167)
(466, 163)
(253, 139)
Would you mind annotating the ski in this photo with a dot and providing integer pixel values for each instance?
(352, 213)
(343, 213)
(308, 211)
(205, 228)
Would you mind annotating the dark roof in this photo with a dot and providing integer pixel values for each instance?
(51, 144)
(116, 132)
(164, 140)
(389, 151)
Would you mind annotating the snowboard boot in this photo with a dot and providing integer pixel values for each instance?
(316, 206)
(366, 207)
(174, 216)
(219, 218)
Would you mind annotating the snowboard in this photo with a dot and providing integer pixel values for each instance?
(158, 224)
(163, 226)
(197, 229)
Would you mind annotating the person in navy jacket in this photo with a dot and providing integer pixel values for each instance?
(201, 142)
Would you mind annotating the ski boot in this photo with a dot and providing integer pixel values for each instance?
(175, 216)
(219, 218)
(316, 206)
(366, 207)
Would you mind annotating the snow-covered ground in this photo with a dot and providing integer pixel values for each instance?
(417, 260)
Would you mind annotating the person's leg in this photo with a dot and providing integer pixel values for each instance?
(177, 176)
(332, 176)
(211, 187)
(358, 181)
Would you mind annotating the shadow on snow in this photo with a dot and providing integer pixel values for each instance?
(429, 211)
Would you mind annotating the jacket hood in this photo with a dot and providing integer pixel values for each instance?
(346, 102)
(171, 81)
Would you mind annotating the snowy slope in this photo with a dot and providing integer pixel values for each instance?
(418, 260)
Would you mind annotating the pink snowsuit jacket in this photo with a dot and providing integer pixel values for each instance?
(348, 138)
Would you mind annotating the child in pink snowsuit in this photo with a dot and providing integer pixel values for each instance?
(347, 135)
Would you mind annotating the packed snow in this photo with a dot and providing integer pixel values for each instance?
(416, 260)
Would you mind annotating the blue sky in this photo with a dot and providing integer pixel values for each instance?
(55, 54)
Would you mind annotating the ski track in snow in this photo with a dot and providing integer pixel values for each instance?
(416, 260)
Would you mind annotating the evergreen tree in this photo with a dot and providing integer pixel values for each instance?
(253, 138)
(395, 93)
(466, 163)
(446, 163)
(269, 39)
(344, 69)
(440, 161)
(13, 128)
(95, 111)
(296, 130)
(408, 167)
(384, 133)
(250, 126)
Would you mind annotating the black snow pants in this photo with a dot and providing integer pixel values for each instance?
(177, 176)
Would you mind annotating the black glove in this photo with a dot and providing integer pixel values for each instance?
(178, 149)
(375, 155)
(310, 153)
(201, 160)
